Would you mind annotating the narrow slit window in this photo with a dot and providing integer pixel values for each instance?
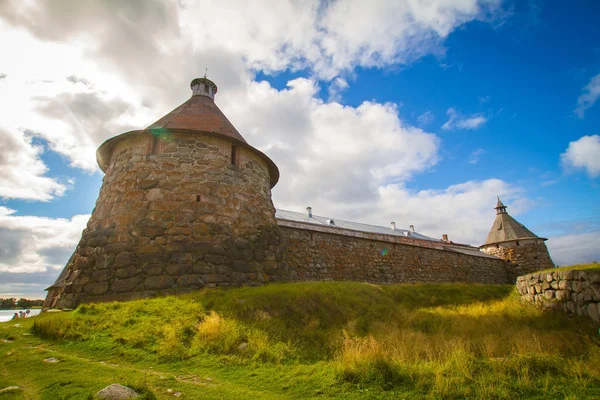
(206, 89)
(198, 198)
(235, 155)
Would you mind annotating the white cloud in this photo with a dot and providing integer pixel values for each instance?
(326, 151)
(22, 172)
(583, 153)
(336, 88)
(476, 156)
(463, 211)
(459, 121)
(588, 98)
(36, 244)
(426, 118)
(327, 37)
(133, 60)
(577, 248)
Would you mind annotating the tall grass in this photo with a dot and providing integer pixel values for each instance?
(438, 341)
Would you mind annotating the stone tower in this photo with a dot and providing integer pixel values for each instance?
(184, 204)
(510, 240)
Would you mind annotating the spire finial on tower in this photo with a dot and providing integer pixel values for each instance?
(205, 72)
(500, 208)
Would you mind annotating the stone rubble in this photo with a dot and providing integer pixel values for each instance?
(570, 291)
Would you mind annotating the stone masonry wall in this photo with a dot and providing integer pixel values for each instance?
(174, 214)
(525, 256)
(569, 291)
(322, 256)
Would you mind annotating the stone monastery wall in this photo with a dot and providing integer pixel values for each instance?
(570, 291)
(323, 255)
(525, 256)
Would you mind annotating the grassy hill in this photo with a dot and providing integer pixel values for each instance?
(308, 340)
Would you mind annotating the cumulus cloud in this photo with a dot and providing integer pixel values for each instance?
(583, 153)
(459, 121)
(326, 150)
(22, 172)
(463, 211)
(576, 248)
(83, 121)
(37, 244)
(588, 98)
(336, 88)
(145, 53)
(291, 35)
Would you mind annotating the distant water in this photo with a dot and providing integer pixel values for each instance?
(6, 315)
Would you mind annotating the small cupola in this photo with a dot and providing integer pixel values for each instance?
(500, 208)
(203, 87)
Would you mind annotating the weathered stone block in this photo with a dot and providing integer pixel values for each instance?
(102, 275)
(158, 282)
(149, 248)
(126, 272)
(154, 269)
(96, 288)
(241, 266)
(179, 269)
(214, 258)
(97, 241)
(179, 230)
(190, 280)
(125, 285)
(593, 311)
(152, 258)
(147, 184)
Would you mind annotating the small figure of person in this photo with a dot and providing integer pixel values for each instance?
(27, 313)
(15, 316)
(21, 314)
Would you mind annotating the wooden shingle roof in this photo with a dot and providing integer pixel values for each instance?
(505, 228)
(199, 113)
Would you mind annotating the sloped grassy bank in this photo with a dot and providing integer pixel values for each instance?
(334, 339)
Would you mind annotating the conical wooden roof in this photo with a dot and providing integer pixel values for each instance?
(506, 228)
(198, 113)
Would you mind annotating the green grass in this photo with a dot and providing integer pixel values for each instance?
(309, 340)
(591, 266)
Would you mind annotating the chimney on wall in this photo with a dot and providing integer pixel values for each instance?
(412, 228)
(445, 237)
(393, 226)
(309, 211)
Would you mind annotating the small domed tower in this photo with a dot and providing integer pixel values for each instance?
(184, 204)
(510, 240)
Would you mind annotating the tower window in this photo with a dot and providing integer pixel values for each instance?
(518, 243)
(235, 155)
(206, 89)
(198, 198)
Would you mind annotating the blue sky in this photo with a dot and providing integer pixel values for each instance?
(401, 112)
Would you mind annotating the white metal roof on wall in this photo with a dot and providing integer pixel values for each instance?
(355, 226)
